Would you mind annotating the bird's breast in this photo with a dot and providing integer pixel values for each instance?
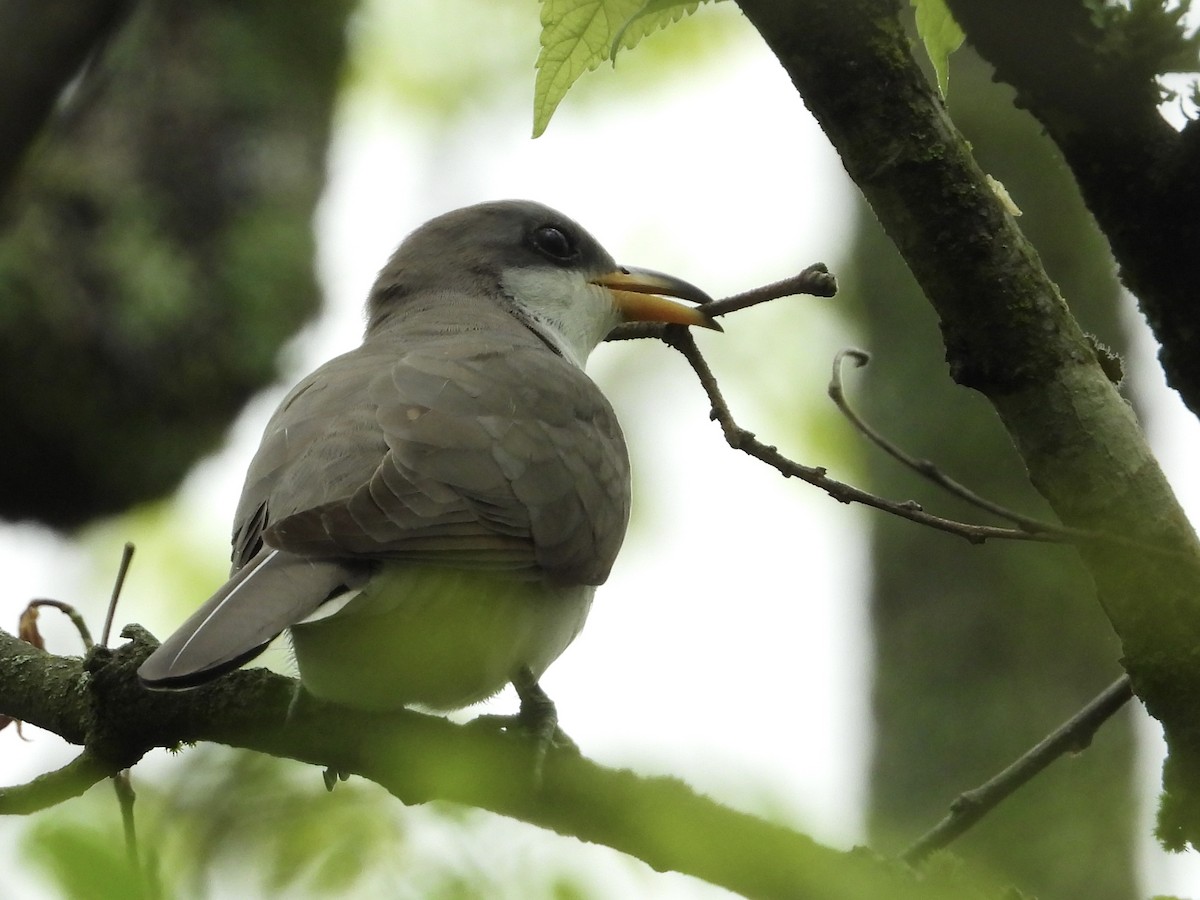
(435, 637)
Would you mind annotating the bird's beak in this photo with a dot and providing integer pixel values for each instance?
(635, 292)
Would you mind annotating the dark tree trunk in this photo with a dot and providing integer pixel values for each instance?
(156, 248)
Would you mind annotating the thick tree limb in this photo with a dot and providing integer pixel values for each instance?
(42, 47)
(1090, 81)
(156, 249)
(418, 758)
(1008, 334)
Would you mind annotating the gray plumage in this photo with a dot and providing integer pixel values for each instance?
(460, 437)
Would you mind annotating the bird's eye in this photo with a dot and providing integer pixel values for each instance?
(554, 242)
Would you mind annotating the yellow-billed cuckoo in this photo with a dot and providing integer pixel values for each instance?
(429, 514)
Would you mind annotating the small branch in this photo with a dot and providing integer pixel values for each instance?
(1034, 528)
(420, 757)
(122, 571)
(54, 787)
(123, 786)
(78, 774)
(740, 439)
(925, 467)
(815, 281)
(1072, 736)
(85, 634)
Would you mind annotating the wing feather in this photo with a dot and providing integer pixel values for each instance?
(444, 447)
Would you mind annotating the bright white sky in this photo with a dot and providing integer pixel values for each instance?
(729, 647)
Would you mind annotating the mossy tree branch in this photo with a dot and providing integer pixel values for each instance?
(1009, 334)
(156, 245)
(98, 702)
(1090, 81)
(42, 47)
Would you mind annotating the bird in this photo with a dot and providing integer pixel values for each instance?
(428, 515)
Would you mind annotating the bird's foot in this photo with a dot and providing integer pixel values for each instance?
(332, 776)
(537, 722)
(538, 718)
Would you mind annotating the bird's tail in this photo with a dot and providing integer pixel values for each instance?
(272, 591)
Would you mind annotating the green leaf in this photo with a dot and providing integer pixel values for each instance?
(653, 15)
(941, 36)
(578, 35)
(83, 861)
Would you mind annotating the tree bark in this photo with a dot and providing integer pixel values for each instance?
(42, 47)
(980, 652)
(100, 703)
(156, 249)
(1090, 80)
(1008, 334)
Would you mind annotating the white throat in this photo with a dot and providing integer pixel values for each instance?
(569, 311)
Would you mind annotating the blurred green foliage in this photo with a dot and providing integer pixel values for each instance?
(156, 251)
(238, 824)
(459, 57)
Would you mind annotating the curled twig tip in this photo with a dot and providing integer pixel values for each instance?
(1028, 528)
(859, 357)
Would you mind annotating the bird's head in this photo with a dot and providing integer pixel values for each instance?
(550, 272)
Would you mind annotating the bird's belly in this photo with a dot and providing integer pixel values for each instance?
(436, 637)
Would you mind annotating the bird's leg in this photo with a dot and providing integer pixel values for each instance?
(539, 719)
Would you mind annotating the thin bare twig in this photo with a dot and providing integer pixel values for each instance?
(1072, 736)
(85, 770)
(816, 281)
(923, 467)
(123, 786)
(122, 782)
(740, 439)
(122, 571)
